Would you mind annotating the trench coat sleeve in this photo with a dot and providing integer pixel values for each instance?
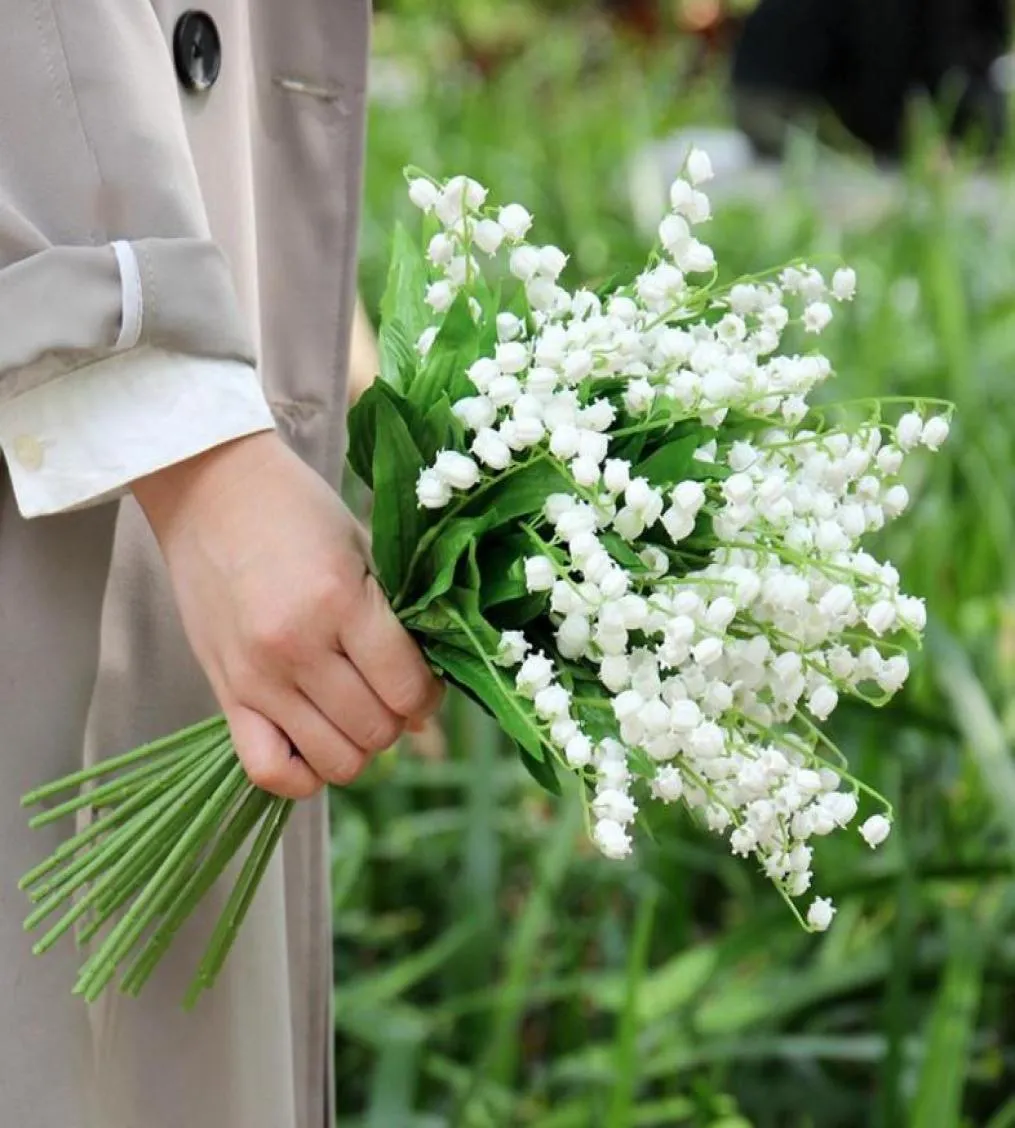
(114, 300)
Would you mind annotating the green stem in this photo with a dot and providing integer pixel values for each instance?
(254, 803)
(112, 789)
(165, 744)
(160, 888)
(241, 898)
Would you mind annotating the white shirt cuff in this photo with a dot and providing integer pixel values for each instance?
(83, 438)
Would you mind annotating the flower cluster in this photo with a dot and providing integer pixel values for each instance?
(706, 609)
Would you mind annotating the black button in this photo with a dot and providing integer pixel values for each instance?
(197, 50)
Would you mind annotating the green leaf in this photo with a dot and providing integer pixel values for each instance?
(399, 522)
(440, 430)
(398, 356)
(362, 423)
(406, 285)
(542, 771)
(454, 349)
(436, 570)
(520, 493)
(671, 463)
(495, 694)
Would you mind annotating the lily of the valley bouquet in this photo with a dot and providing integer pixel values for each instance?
(616, 522)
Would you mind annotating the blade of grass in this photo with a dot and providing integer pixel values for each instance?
(625, 1057)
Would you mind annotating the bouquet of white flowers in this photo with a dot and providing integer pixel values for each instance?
(611, 518)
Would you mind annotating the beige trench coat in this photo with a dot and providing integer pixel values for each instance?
(241, 205)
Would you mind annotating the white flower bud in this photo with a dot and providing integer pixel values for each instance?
(638, 396)
(573, 636)
(483, 372)
(524, 262)
(844, 284)
(423, 193)
(696, 257)
(431, 491)
(540, 574)
(837, 602)
(563, 730)
(564, 440)
(612, 839)
(476, 412)
(512, 357)
(912, 612)
(504, 390)
(552, 261)
(875, 830)
(552, 701)
(457, 470)
(895, 500)
(611, 803)
(881, 616)
(817, 317)
(535, 674)
(819, 915)
(578, 751)
(491, 449)
(592, 445)
(511, 649)
(822, 702)
(488, 236)
(674, 233)
(509, 327)
(909, 430)
(439, 296)
(685, 716)
(889, 460)
(699, 167)
(441, 249)
(614, 584)
(528, 432)
(935, 431)
(689, 497)
(721, 612)
(515, 221)
(667, 784)
(585, 472)
(616, 475)
(615, 672)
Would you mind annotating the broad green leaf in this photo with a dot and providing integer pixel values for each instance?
(517, 613)
(399, 522)
(504, 583)
(671, 463)
(440, 430)
(406, 285)
(454, 348)
(496, 694)
(542, 771)
(436, 571)
(520, 493)
(362, 423)
(398, 357)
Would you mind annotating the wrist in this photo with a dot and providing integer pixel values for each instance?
(173, 495)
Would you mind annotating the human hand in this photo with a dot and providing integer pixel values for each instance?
(295, 635)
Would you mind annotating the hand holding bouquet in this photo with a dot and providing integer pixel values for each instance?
(614, 520)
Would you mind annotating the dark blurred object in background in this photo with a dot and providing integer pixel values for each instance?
(865, 60)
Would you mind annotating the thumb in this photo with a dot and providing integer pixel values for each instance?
(268, 757)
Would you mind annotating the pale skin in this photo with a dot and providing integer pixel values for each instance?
(301, 648)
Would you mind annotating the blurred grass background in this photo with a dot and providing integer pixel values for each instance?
(491, 970)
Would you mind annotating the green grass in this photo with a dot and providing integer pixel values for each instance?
(490, 969)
